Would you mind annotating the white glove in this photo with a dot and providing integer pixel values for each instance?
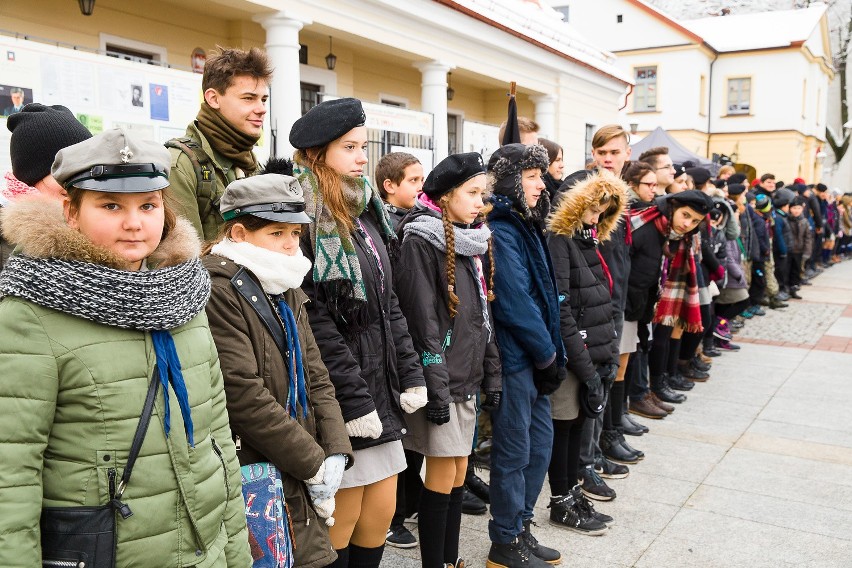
(325, 510)
(367, 426)
(322, 488)
(413, 399)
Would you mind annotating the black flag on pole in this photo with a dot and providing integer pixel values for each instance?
(512, 134)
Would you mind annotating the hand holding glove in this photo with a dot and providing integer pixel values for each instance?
(367, 426)
(324, 485)
(492, 401)
(547, 380)
(438, 414)
(413, 399)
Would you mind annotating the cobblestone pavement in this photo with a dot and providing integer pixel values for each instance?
(754, 470)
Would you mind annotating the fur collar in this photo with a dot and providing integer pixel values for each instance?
(37, 227)
(567, 218)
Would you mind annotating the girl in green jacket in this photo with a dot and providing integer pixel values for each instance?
(105, 295)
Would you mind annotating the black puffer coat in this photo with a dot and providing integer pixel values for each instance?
(583, 282)
(369, 368)
(459, 354)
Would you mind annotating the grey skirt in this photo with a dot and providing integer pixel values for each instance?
(374, 464)
(453, 439)
(565, 402)
(629, 337)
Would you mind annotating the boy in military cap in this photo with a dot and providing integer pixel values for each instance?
(217, 148)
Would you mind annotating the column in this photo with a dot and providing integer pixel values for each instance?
(434, 100)
(282, 46)
(545, 115)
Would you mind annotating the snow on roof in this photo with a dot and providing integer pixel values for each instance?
(779, 28)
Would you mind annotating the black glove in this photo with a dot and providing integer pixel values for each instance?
(608, 373)
(595, 383)
(592, 399)
(547, 380)
(438, 414)
(492, 401)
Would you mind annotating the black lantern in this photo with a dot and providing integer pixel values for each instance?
(87, 7)
(451, 92)
(331, 58)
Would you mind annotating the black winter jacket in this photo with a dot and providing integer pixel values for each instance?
(459, 354)
(585, 303)
(369, 368)
(646, 257)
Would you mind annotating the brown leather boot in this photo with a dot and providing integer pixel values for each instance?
(664, 406)
(647, 408)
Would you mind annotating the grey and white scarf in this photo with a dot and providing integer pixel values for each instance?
(469, 242)
(156, 299)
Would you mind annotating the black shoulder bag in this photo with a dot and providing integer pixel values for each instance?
(84, 537)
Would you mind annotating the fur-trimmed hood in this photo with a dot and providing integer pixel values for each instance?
(36, 226)
(567, 218)
(505, 168)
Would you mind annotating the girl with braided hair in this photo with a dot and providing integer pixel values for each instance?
(444, 290)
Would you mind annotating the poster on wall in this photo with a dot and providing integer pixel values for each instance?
(93, 122)
(67, 83)
(13, 98)
(159, 101)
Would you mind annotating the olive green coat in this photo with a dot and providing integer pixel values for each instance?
(71, 392)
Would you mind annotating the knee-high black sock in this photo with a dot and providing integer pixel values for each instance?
(616, 398)
(674, 354)
(561, 480)
(360, 557)
(432, 525)
(451, 534)
(342, 558)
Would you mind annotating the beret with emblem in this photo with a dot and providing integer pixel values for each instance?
(735, 189)
(695, 199)
(113, 161)
(274, 197)
(451, 172)
(327, 122)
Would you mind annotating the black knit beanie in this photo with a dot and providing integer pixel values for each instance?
(38, 133)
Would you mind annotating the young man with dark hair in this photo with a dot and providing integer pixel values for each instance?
(766, 185)
(659, 159)
(217, 148)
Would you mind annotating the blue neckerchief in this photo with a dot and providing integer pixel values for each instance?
(168, 364)
(294, 365)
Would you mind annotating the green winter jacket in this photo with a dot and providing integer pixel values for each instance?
(71, 392)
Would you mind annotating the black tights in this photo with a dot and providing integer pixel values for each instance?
(730, 311)
(658, 358)
(565, 460)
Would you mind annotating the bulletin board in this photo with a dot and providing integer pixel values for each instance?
(154, 102)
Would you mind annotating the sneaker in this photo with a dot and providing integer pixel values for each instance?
(611, 470)
(722, 331)
(594, 486)
(473, 505)
(728, 346)
(476, 485)
(513, 555)
(567, 514)
(549, 555)
(758, 311)
(400, 537)
(586, 505)
(747, 314)
(782, 296)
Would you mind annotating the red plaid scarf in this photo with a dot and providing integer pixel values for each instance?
(678, 303)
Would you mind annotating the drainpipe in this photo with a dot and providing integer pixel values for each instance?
(710, 102)
(626, 98)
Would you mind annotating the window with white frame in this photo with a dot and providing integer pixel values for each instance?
(645, 91)
(739, 95)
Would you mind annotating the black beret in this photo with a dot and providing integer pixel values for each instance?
(735, 189)
(821, 187)
(451, 172)
(699, 175)
(327, 122)
(719, 183)
(694, 199)
(799, 200)
(780, 200)
(737, 178)
(679, 170)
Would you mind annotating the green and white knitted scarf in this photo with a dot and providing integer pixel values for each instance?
(335, 258)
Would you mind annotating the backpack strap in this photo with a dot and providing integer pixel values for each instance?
(205, 175)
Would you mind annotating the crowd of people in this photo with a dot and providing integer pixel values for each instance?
(341, 352)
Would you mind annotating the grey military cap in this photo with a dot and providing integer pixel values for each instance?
(113, 161)
(274, 197)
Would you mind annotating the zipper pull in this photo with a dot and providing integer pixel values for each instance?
(122, 508)
(447, 340)
(111, 476)
(238, 443)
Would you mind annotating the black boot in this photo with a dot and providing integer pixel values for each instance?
(513, 555)
(661, 388)
(629, 427)
(613, 449)
(549, 555)
(678, 382)
(635, 424)
(471, 504)
(475, 483)
(639, 453)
